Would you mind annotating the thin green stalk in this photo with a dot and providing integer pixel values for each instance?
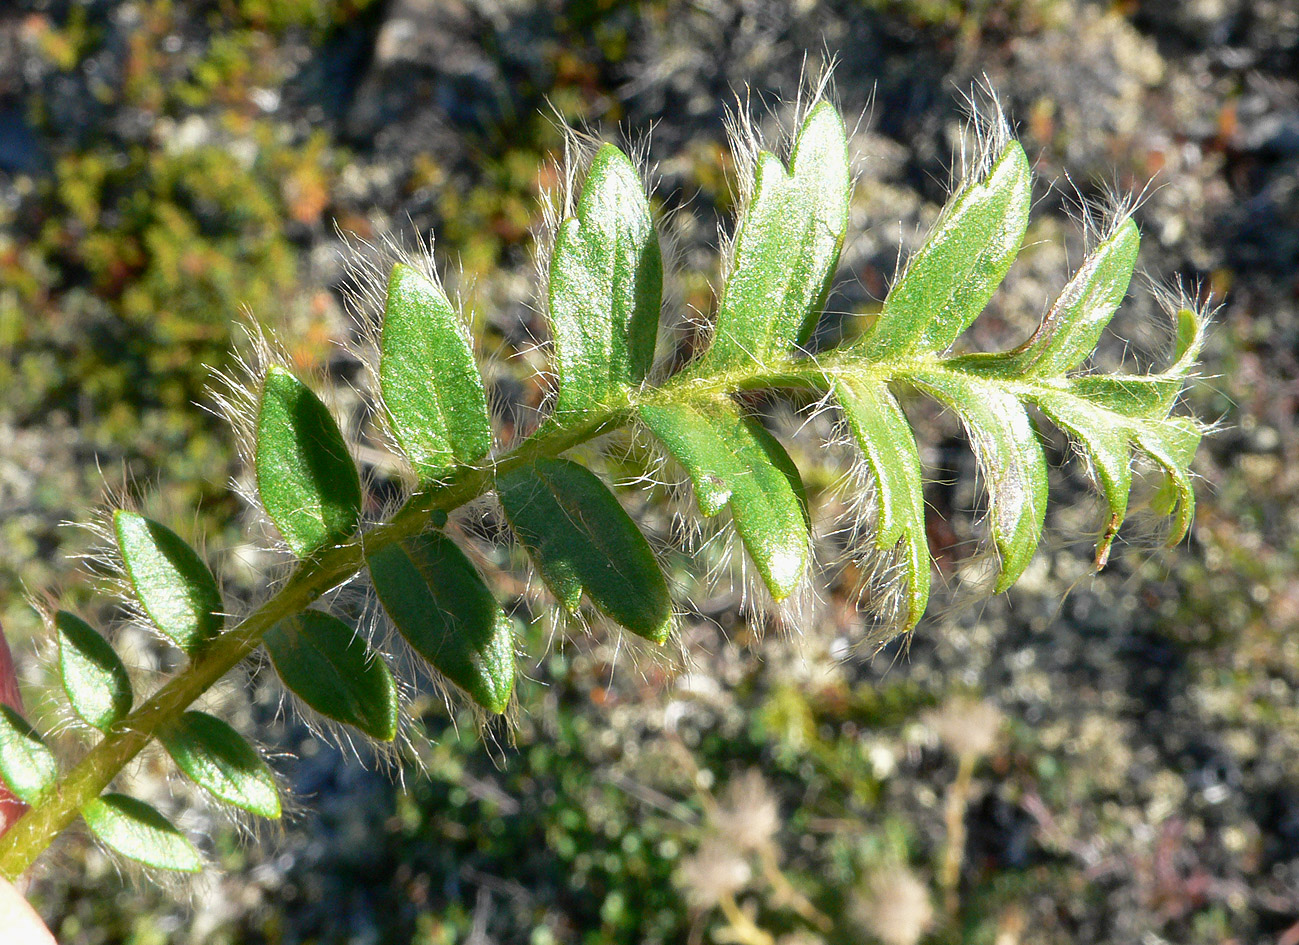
(743, 929)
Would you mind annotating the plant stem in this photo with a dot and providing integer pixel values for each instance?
(784, 893)
(36, 829)
(742, 927)
(958, 799)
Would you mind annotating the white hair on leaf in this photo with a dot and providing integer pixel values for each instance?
(985, 136)
(747, 141)
(369, 268)
(879, 584)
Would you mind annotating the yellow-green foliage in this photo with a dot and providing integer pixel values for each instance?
(120, 270)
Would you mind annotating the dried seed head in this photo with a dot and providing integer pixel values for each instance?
(894, 907)
(967, 727)
(714, 872)
(748, 815)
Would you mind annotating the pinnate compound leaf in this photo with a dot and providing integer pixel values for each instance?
(140, 833)
(606, 286)
(882, 432)
(786, 248)
(1011, 462)
(94, 678)
(582, 540)
(949, 281)
(216, 757)
(439, 603)
(732, 460)
(322, 660)
(173, 585)
(305, 476)
(26, 765)
(432, 391)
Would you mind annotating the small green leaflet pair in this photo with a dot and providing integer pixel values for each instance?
(180, 597)
(125, 824)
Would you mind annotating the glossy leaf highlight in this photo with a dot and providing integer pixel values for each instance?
(1068, 334)
(948, 282)
(786, 248)
(216, 757)
(606, 286)
(172, 583)
(305, 476)
(432, 391)
(733, 460)
(440, 605)
(322, 661)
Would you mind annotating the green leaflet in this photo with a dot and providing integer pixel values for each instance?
(688, 433)
(439, 603)
(581, 540)
(1010, 459)
(93, 676)
(432, 391)
(881, 430)
(331, 669)
(305, 476)
(174, 586)
(948, 282)
(1189, 340)
(1104, 437)
(1172, 445)
(733, 460)
(26, 765)
(215, 757)
(1068, 334)
(786, 248)
(1149, 396)
(1132, 395)
(139, 832)
(606, 286)
(1108, 439)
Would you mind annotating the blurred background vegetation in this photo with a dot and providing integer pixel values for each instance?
(1120, 752)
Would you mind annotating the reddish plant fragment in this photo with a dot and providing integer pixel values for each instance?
(10, 807)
